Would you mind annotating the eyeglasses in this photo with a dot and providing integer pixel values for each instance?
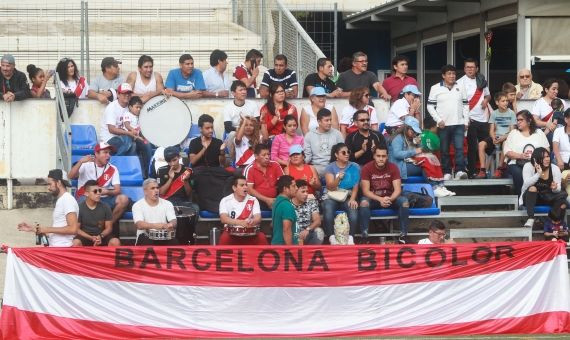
(364, 120)
(523, 76)
(439, 233)
(97, 191)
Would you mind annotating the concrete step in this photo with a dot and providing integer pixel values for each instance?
(475, 202)
(479, 182)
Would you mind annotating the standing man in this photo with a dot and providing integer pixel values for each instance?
(14, 83)
(217, 83)
(95, 220)
(283, 215)
(262, 176)
(145, 82)
(185, 82)
(359, 76)
(364, 141)
(99, 168)
(112, 131)
(206, 150)
(240, 209)
(64, 223)
(280, 74)
(382, 189)
(399, 78)
(104, 86)
(322, 78)
(478, 97)
(319, 142)
(447, 104)
(248, 70)
(153, 212)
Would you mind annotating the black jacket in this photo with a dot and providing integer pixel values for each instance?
(18, 85)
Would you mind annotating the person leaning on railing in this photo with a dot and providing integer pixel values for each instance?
(14, 83)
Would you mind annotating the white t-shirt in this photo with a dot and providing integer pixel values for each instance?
(349, 110)
(132, 119)
(470, 85)
(517, 142)
(425, 241)
(233, 208)
(542, 109)
(313, 122)
(241, 149)
(72, 85)
(163, 212)
(399, 109)
(113, 116)
(141, 88)
(64, 205)
(563, 141)
(233, 113)
(89, 170)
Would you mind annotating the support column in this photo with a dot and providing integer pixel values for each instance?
(450, 45)
(483, 63)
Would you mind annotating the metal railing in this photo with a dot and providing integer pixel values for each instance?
(63, 130)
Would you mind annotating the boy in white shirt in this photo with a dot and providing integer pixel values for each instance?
(408, 105)
(131, 123)
(436, 234)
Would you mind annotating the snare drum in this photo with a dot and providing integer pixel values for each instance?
(238, 230)
(161, 234)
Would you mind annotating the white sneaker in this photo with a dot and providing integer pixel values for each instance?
(529, 223)
(440, 192)
(460, 175)
(449, 192)
(447, 177)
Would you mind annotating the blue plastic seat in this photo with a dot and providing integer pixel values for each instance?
(83, 139)
(414, 179)
(383, 212)
(194, 131)
(135, 194)
(542, 209)
(417, 187)
(129, 170)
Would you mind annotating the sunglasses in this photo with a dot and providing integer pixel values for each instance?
(345, 152)
(525, 76)
(97, 191)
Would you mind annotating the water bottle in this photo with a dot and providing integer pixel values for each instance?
(214, 236)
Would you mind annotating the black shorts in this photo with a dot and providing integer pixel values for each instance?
(491, 147)
(88, 243)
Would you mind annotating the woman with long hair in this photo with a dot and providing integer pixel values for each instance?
(248, 135)
(70, 80)
(274, 111)
(358, 100)
(542, 110)
(282, 142)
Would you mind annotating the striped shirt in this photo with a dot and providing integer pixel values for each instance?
(288, 78)
(448, 105)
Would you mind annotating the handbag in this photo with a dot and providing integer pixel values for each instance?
(419, 200)
(338, 195)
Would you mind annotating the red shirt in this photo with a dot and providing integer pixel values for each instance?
(241, 72)
(306, 174)
(264, 182)
(276, 129)
(394, 85)
(380, 179)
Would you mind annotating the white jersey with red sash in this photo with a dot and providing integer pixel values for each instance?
(543, 110)
(107, 176)
(475, 97)
(239, 210)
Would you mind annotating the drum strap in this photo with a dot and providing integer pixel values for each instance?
(101, 181)
(176, 185)
(246, 210)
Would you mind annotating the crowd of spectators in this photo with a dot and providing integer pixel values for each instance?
(314, 161)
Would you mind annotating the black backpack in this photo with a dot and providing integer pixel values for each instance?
(419, 200)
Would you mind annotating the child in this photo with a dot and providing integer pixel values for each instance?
(39, 81)
(558, 115)
(131, 124)
(555, 228)
(429, 137)
(341, 231)
(511, 91)
(502, 122)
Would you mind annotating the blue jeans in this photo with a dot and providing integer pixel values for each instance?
(123, 145)
(144, 151)
(452, 134)
(401, 204)
(330, 207)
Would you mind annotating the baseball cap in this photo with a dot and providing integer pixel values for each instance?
(411, 88)
(125, 88)
(318, 91)
(171, 152)
(296, 148)
(103, 146)
(59, 175)
(109, 61)
(9, 59)
(413, 123)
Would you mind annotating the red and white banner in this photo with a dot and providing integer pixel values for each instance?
(169, 292)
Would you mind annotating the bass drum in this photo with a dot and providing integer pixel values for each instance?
(165, 121)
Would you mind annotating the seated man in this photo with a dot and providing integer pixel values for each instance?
(248, 71)
(99, 168)
(240, 210)
(154, 214)
(322, 79)
(280, 74)
(283, 215)
(112, 131)
(105, 84)
(436, 234)
(14, 83)
(382, 189)
(217, 83)
(185, 82)
(308, 216)
(363, 141)
(319, 142)
(145, 82)
(206, 150)
(262, 176)
(95, 226)
(64, 225)
(174, 186)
